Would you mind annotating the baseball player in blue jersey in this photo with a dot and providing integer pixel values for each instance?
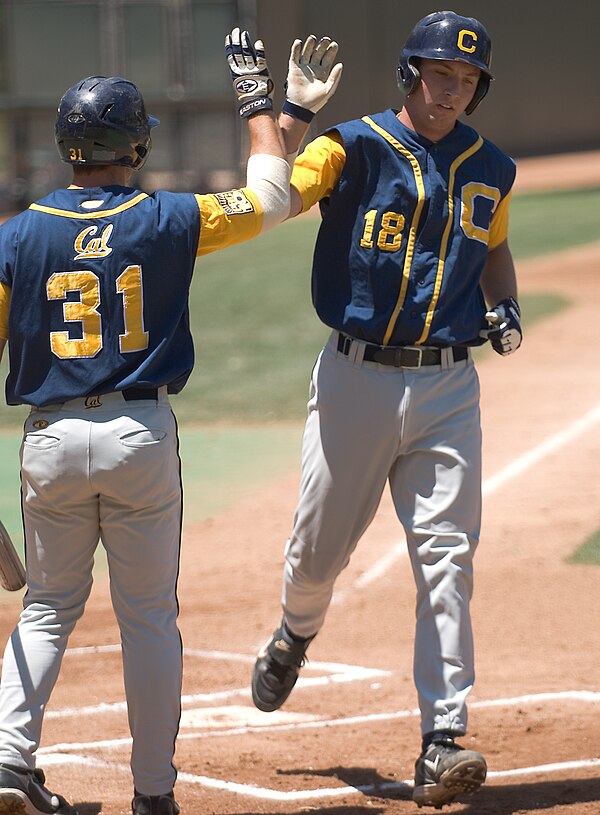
(94, 283)
(411, 270)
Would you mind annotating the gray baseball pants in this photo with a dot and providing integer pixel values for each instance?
(100, 469)
(418, 430)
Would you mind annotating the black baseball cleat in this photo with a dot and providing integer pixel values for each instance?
(444, 771)
(154, 804)
(276, 669)
(22, 792)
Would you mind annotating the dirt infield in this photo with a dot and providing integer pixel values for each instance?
(568, 171)
(346, 741)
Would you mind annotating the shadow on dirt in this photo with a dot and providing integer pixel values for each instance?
(536, 797)
(89, 808)
(364, 779)
(492, 799)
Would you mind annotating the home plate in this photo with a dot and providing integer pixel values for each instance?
(239, 716)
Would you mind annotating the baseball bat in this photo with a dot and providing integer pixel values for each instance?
(12, 573)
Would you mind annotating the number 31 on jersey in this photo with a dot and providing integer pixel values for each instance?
(84, 310)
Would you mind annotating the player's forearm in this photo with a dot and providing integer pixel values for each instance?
(268, 172)
(498, 279)
(265, 135)
(293, 132)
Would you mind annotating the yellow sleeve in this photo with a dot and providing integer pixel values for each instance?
(5, 292)
(227, 218)
(317, 170)
(499, 224)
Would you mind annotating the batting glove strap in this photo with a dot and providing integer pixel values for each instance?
(297, 112)
(249, 73)
(506, 333)
(511, 304)
(256, 105)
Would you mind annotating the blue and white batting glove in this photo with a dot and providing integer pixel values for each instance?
(312, 77)
(249, 73)
(506, 333)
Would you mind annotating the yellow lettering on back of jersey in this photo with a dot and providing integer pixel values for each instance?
(95, 247)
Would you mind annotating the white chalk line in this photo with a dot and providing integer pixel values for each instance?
(335, 673)
(265, 793)
(585, 696)
(545, 448)
(489, 486)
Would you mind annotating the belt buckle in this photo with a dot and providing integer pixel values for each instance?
(419, 351)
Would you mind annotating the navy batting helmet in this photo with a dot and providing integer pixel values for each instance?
(446, 35)
(103, 120)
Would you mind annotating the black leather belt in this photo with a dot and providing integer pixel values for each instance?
(408, 356)
(131, 394)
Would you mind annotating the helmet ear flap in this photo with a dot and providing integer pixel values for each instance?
(408, 77)
(482, 88)
(142, 151)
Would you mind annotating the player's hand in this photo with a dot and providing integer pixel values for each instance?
(506, 333)
(249, 73)
(312, 77)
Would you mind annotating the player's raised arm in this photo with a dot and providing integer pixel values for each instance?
(268, 172)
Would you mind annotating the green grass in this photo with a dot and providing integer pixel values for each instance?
(589, 551)
(10, 486)
(542, 223)
(242, 458)
(255, 329)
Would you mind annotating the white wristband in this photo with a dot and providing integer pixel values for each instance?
(269, 179)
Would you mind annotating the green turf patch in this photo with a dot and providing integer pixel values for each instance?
(10, 487)
(255, 329)
(223, 465)
(542, 223)
(589, 551)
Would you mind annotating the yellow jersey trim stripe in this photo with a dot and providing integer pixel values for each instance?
(5, 294)
(412, 233)
(446, 237)
(87, 216)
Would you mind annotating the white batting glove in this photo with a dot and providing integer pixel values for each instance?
(312, 77)
(506, 333)
(249, 73)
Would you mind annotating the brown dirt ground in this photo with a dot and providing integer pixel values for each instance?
(535, 620)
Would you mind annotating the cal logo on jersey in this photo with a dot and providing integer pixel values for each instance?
(87, 246)
(234, 202)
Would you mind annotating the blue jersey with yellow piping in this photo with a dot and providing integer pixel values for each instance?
(94, 287)
(406, 230)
